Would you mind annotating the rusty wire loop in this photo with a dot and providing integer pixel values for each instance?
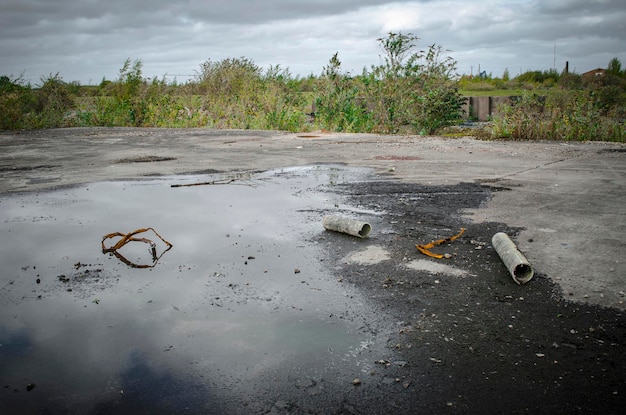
(130, 237)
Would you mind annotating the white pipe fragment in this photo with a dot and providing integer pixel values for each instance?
(346, 225)
(517, 264)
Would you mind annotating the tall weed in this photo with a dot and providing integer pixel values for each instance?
(579, 115)
(16, 99)
(409, 92)
(24, 107)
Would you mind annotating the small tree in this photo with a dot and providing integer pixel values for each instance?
(17, 98)
(129, 80)
(53, 101)
(414, 89)
(615, 67)
(396, 47)
(506, 76)
(339, 104)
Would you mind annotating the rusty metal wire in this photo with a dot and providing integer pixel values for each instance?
(130, 237)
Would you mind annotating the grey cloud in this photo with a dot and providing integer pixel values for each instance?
(88, 39)
(217, 11)
(576, 7)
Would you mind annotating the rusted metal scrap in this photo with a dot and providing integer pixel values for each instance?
(425, 249)
(221, 181)
(245, 178)
(130, 237)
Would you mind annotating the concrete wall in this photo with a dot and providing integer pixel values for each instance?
(482, 108)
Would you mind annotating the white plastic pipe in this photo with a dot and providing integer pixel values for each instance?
(517, 264)
(346, 225)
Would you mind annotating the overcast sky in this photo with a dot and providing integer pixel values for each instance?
(86, 40)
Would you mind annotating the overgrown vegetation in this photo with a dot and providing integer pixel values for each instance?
(410, 92)
(571, 115)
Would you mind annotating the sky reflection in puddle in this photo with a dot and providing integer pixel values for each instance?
(241, 296)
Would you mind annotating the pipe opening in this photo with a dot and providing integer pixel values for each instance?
(523, 272)
(365, 230)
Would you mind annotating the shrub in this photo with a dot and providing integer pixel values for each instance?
(24, 107)
(340, 104)
(409, 92)
(592, 114)
(54, 100)
(16, 99)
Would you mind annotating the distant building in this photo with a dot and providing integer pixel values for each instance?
(595, 72)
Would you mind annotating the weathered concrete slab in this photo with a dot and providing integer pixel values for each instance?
(568, 196)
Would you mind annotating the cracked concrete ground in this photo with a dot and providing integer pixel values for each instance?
(569, 198)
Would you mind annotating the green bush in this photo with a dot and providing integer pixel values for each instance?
(16, 99)
(578, 115)
(54, 100)
(24, 107)
(409, 92)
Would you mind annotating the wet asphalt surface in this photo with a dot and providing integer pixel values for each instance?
(479, 343)
(427, 335)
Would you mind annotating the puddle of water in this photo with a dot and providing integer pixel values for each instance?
(243, 294)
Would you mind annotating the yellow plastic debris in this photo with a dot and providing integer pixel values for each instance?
(425, 249)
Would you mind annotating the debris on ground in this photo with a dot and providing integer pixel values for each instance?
(517, 264)
(346, 225)
(130, 237)
(243, 177)
(425, 249)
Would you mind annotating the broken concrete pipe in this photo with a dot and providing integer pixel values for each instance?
(346, 225)
(517, 264)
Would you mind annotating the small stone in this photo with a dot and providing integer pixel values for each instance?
(356, 382)
(281, 405)
(296, 271)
